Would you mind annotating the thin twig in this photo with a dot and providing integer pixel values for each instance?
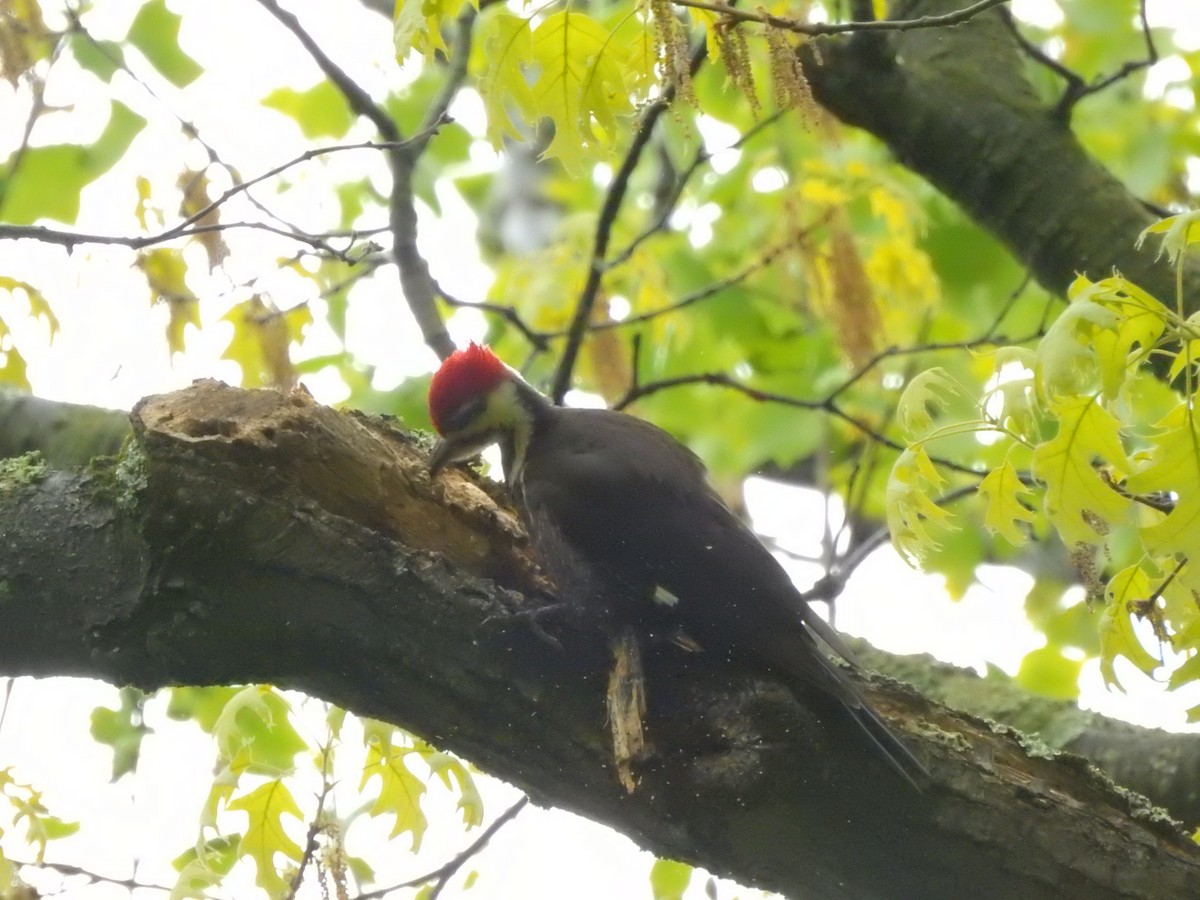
(444, 873)
(813, 29)
(68, 870)
(316, 826)
(935, 347)
(667, 208)
(185, 228)
(1076, 88)
(691, 299)
(539, 339)
(827, 404)
(831, 585)
(613, 199)
(72, 239)
(416, 282)
(359, 100)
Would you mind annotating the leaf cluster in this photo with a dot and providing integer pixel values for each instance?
(1090, 444)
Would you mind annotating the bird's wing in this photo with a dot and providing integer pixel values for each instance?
(635, 504)
(631, 498)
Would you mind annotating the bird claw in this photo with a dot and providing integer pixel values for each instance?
(534, 618)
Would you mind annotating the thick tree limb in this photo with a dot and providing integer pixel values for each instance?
(65, 434)
(252, 537)
(954, 106)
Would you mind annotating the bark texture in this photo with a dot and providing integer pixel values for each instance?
(247, 536)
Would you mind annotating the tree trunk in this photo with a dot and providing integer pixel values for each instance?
(247, 536)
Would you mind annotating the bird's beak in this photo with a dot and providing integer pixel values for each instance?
(442, 454)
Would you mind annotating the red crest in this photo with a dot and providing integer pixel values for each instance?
(464, 375)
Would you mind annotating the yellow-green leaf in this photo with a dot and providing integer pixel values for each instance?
(418, 24)
(262, 340)
(1127, 589)
(1174, 468)
(924, 396)
(1094, 338)
(452, 771)
(39, 307)
(166, 275)
(580, 82)
(399, 790)
(669, 879)
(1179, 232)
(506, 44)
(265, 836)
(1080, 502)
(1000, 489)
(910, 507)
(581, 87)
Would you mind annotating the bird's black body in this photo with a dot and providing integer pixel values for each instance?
(622, 516)
(615, 529)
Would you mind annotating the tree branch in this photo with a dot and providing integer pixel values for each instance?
(415, 278)
(954, 106)
(249, 536)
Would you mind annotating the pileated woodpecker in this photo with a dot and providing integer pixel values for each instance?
(621, 516)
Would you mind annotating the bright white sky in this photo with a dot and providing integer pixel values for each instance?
(110, 353)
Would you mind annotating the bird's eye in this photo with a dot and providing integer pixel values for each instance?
(461, 417)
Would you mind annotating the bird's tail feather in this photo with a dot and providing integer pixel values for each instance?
(811, 666)
(889, 745)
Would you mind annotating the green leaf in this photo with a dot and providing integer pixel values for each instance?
(265, 807)
(122, 729)
(256, 725)
(102, 58)
(201, 704)
(669, 879)
(48, 180)
(155, 32)
(1047, 672)
(203, 867)
(321, 111)
(361, 870)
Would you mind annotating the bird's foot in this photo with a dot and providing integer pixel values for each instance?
(535, 618)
